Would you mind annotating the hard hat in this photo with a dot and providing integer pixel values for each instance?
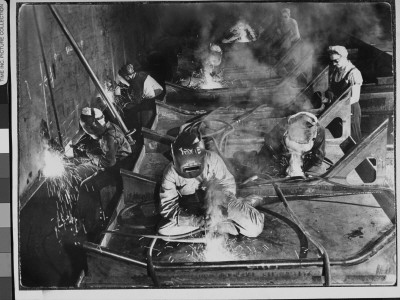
(302, 127)
(93, 122)
(188, 153)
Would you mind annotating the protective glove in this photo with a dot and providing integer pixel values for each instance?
(93, 158)
(190, 220)
(329, 96)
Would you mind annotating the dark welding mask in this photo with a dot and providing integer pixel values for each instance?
(188, 153)
(93, 122)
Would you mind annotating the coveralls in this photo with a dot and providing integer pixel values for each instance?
(339, 81)
(174, 188)
(114, 154)
(289, 32)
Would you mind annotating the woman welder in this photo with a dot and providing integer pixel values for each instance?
(345, 76)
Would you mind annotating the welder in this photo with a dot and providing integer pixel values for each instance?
(212, 62)
(112, 153)
(184, 186)
(287, 31)
(139, 92)
(241, 32)
(293, 147)
(345, 82)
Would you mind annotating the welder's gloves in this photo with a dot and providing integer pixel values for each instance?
(190, 220)
(94, 158)
(329, 96)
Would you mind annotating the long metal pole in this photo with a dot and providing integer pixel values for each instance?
(104, 251)
(89, 70)
(48, 80)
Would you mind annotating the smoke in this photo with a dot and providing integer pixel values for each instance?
(216, 202)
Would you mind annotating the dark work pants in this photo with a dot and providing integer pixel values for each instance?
(356, 122)
(140, 115)
(91, 209)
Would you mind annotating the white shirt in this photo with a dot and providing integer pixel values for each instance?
(149, 86)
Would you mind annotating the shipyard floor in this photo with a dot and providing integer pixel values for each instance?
(52, 260)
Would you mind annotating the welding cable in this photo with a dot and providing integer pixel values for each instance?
(159, 236)
(180, 110)
(320, 247)
(191, 127)
(269, 181)
(150, 265)
(165, 238)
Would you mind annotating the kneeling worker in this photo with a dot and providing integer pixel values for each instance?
(182, 201)
(290, 149)
(113, 153)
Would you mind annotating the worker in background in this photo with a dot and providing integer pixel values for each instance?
(345, 81)
(291, 148)
(212, 62)
(112, 154)
(287, 31)
(241, 32)
(139, 91)
(183, 188)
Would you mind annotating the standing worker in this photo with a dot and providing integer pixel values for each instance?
(287, 30)
(139, 91)
(345, 81)
(112, 154)
(183, 205)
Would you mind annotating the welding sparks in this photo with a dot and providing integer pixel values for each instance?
(62, 177)
(216, 250)
(54, 164)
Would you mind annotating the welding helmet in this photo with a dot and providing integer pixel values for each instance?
(302, 127)
(188, 153)
(92, 122)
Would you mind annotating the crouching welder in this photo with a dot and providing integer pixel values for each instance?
(183, 192)
(112, 153)
(293, 147)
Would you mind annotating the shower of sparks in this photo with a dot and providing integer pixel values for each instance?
(63, 180)
(209, 83)
(216, 250)
(54, 164)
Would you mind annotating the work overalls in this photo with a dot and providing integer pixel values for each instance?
(338, 88)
